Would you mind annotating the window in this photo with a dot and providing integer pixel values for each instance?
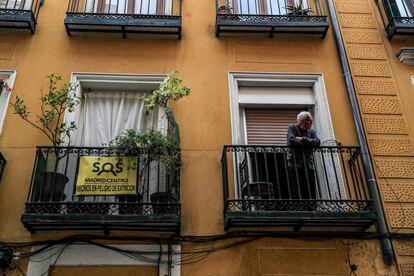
(263, 106)
(109, 105)
(16, 4)
(268, 7)
(399, 8)
(6, 85)
(161, 7)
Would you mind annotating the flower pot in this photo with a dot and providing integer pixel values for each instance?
(49, 187)
(163, 197)
(224, 10)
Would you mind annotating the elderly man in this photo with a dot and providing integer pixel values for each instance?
(301, 138)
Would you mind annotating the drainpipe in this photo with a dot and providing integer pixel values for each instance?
(387, 252)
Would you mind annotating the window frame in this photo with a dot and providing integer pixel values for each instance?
(91, 255)
(320, 105)
(5, 95)
(114, 80)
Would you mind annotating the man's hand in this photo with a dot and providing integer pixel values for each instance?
(298, 139)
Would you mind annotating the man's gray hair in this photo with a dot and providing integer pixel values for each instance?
(303, 115)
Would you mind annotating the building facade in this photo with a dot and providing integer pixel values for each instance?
(234, 207)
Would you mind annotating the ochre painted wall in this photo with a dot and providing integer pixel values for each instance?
(384, 89)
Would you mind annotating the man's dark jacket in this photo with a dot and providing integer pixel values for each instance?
(302, 150)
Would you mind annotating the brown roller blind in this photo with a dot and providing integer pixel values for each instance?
(269, 126)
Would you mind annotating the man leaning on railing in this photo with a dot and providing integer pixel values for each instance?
(301, 139)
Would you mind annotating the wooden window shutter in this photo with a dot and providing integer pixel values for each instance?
(235, 6)
(131, 6)
(100, 6)
(262, 6)
(269, 126)
(160, 7)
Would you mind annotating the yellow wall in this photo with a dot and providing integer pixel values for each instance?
(204, 62)
(384, 91)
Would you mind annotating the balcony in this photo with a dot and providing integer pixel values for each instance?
(269, 18)
(398, 18)
(19, 15)
(262, 188)
(122, 18)
(125, 193)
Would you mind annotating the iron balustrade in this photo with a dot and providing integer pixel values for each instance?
(19, 15)
(124, 18)
(271, 17)
(398, 18)
(52, 202)
(281, 185)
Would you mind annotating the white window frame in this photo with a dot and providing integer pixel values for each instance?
(320, 105)
(5, 95)
(91, 255)
(112, 81)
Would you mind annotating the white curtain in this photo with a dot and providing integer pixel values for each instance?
(104, 115)
(15, 4)
(121, 6)
(107, 6)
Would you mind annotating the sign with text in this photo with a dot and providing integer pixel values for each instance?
(107, 176)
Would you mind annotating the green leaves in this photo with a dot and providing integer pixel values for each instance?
(150, 143)
(53, 105)
(171, 89)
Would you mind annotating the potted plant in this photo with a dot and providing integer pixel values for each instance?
(225, 8)
(298, 9)
(154, 144)
(48, 183)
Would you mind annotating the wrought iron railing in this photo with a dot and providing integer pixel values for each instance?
(271, 17)
(267, 179)
(19, 15)
(138, 18)
(57, 189)
(398, 16)
(272, 7)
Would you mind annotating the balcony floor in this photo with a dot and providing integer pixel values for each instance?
(401, 28)
(123, 25)
(270, 25)
(156, 217)
(355, 216)
(17, 21)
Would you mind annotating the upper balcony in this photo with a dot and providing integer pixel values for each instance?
(84, 188)
(399, 18)
(124, 18)
(263, 187)
(268, 18)
(19, 15)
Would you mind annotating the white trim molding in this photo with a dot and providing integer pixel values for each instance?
(314, 97)
(92, 255)
(282, 80)
(108, 81)
(5, 95)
